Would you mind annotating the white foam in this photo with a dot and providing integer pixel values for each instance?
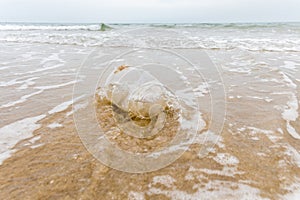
(55, 86)
(209, 136)
(77, 107)
(136, 195)
(177, 147)
(254, 131)
(55, 34)
(54, 125)
(63, 106)
(52, 57)
(290, 113)
(226, 159)
(201, 90)
(36, 146)
(212, 190)
(8, 83)
(165, 180)
(238, 70)
(289, 82)
(41, 69)
(268, 79)
(294, 193)
(18, 81)
(255, 138)
(226, 171)
(241, 129)
(40, 90)
(12, 133)
(3, 68)
(289, 65)
(21, 100)
(291, 130)
(266, 99)
(34, 139)
(294, 154)
(261, 154)
(280, 130)
(25, 85)
(258, 130)
(229, 163)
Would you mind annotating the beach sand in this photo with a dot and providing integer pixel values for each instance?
(58, 166)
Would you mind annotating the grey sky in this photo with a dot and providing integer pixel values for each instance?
(161, 11)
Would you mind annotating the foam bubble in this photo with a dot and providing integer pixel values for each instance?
(165, 180)
(12, 133)
(21, 100)
(226, 159)
(63, 106)
(55, 125)
(212, 190)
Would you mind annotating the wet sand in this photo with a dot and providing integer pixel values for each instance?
(63, 168)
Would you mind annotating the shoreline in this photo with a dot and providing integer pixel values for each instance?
(58, 165)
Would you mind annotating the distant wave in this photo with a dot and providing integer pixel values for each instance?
(223, 25)
(32, 27)
(124, 40)
(97, 27)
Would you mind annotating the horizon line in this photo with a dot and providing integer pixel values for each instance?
(154, 22)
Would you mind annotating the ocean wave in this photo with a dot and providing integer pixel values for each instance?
(242, 26)
(59, 27)
(214, 36)
(97, 26)
(123, 40)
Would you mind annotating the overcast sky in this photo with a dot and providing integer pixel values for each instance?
(155, 11)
